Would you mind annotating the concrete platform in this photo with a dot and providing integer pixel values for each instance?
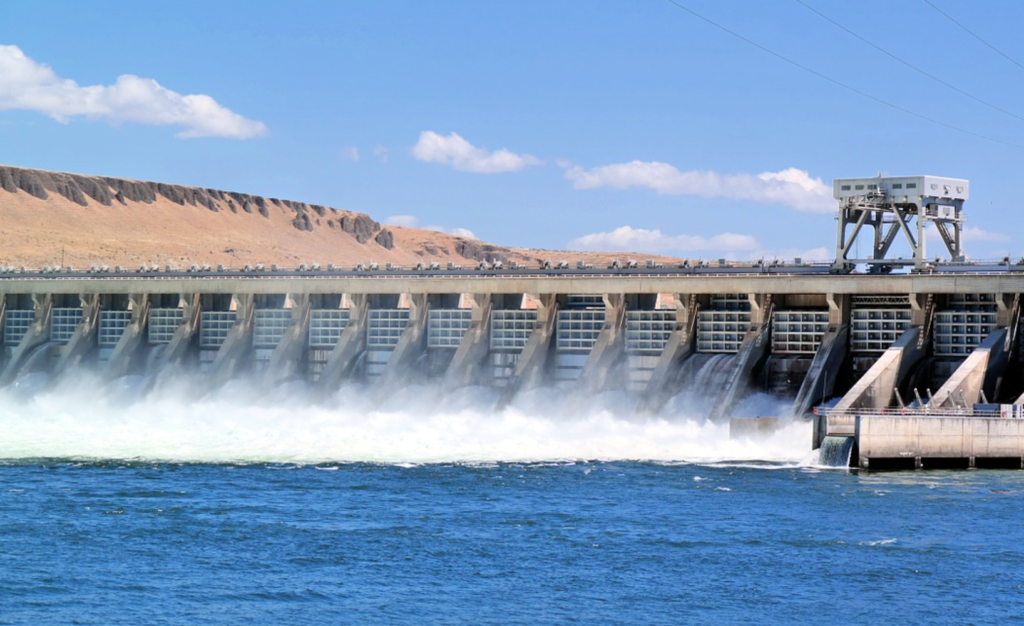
(904, 442)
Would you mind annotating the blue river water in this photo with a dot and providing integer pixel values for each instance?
(613, 542)
(127, 502)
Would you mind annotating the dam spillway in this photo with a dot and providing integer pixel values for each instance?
(800, 333)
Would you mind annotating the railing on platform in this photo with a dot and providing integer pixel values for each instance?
(1015, 411)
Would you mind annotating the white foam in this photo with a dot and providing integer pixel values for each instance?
(880, 542)
(244, 422)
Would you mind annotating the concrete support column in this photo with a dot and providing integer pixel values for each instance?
(175, 351)
(289, 355)
(754, 349)
(978, 372)
(678, 348)
(38, 333)
(608, 348)
(410, 345)
(84, 339)
(821, 376)
(237, 348)
(838, 308)
(351, 344)
(760, 309)
(875, 388)
(820, 381)
(918, 309)
(534, 356)
(474, 347)
(126, 352)
(1007, 309)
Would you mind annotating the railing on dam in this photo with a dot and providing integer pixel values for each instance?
(373, 270)
(1014, 411)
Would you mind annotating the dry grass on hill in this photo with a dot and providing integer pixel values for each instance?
(50, 218)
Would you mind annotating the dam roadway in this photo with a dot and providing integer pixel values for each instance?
(945, 339)
(781, 281)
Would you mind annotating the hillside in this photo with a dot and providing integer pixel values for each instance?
(47, 217)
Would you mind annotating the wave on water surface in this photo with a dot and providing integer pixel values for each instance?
(81, 418)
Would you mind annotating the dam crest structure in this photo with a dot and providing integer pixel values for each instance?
(917, 360)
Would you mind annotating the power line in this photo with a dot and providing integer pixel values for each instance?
(908, 64)
(838, 83)
(975, 35)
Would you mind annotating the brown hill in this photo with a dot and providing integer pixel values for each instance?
(72, 219)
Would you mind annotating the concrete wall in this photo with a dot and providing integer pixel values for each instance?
(893, 437)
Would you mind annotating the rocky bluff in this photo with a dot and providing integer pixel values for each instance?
(82, 190)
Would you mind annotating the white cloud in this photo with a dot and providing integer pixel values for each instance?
(629, 239)
(455, 151)
(458, 232)
(350, 153)
(730, 246)
(973, 233)
(977, 243)
(381, 153)
(27, 85)
(791, 187)
(411, 221)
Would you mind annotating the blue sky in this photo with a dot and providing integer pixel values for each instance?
(598, 124)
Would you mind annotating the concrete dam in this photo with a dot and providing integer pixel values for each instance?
(894, 354)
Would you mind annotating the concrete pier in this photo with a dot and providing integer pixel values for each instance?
(127, 354)
(751, 353)
(677, 348)
(474, 347)
(232, 355)
(409, 345)
(905, 442)
(607, 349)
(36, 334)
(289, 355)
(821, 379)
(977, 374)
(83, 339)
(350, 345)
(876, 388)
(180, 343)
(530, 369)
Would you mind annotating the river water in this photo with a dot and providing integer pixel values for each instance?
(258, 507)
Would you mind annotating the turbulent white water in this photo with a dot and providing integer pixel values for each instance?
(244, 421)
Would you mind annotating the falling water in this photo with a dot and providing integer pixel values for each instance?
(81, 416)
(835, 452)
